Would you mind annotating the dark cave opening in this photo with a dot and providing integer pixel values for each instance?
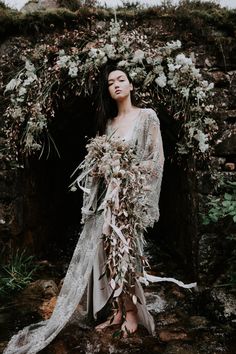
(53, 212)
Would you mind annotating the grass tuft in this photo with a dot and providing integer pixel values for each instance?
(17, 273)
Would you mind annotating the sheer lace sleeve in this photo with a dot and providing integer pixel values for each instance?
(152, 159)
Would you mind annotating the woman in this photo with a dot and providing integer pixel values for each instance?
(140, 128)
(120, 118)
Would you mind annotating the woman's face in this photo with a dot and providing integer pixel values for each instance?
(119, 86)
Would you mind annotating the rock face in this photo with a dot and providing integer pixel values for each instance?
(41, 289)
(38, 5)
(224, 307)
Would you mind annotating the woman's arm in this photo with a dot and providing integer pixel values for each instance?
(152, 161)
(153, 155)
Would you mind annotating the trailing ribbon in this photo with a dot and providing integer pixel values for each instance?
(154, 279)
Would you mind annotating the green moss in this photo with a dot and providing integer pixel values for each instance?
(3, 6)
(189, 15)
(72, 5)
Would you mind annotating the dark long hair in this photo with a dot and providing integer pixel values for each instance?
(106, 106)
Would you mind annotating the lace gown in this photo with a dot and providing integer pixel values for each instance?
(88, 257)
(99, 290)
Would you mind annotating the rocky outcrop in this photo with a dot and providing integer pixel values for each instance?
(39, 5)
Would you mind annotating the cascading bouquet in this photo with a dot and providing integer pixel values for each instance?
(114, 163)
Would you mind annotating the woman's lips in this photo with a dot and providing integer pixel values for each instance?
(117, 91)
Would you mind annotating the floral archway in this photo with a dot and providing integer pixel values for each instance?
(163, 76)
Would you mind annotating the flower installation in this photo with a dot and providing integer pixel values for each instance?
(162, 75)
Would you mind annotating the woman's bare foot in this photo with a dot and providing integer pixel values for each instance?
(130, 325)
(117, 319)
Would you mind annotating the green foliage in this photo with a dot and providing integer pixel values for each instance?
(189, 15)
(221, 207)
(17, 273)
(198, 4)
(230, 275)
(2, 5)
(131, 5)
(74, 5)
(232, 280)
(199, 14)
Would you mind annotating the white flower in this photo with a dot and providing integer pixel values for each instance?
(209, 108)
(12, 84)
(191, 131)
(22, 91)
(20, 99)
(101, 54)
(29, 66)
(184, 69)
(61, 52)
(204, 83)
(181, 59)
(157, 60)
(158, 69)
(132, 74)
(149, 61)
(109, 50)
(73, 71)
(161, 80)
(202, 140)
(73, 189)
(17, 112)
(171, 67)
(178, 43)
(63, 60)
(92, 53)
(122, 63)
(185, 92)
(95, 53)
(104, 60)
(29, 140)
(114, 28)
(100, 61)
(200, 93)
(170, 74)
(174, 44)
(209, 121)
(210, 86)
(196, 73)
(113, 39)
(173, 82)
(138, 56)
(36, 146)
(29, 80)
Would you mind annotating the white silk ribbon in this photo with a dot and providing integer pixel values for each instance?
(154, 279)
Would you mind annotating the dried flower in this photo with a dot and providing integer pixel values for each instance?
(124, 208)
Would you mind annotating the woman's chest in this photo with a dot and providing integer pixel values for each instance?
(126, 129)
(122, 130)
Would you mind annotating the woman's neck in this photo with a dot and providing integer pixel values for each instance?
(124, 107)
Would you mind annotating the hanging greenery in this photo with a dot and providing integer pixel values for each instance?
(163, 75)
